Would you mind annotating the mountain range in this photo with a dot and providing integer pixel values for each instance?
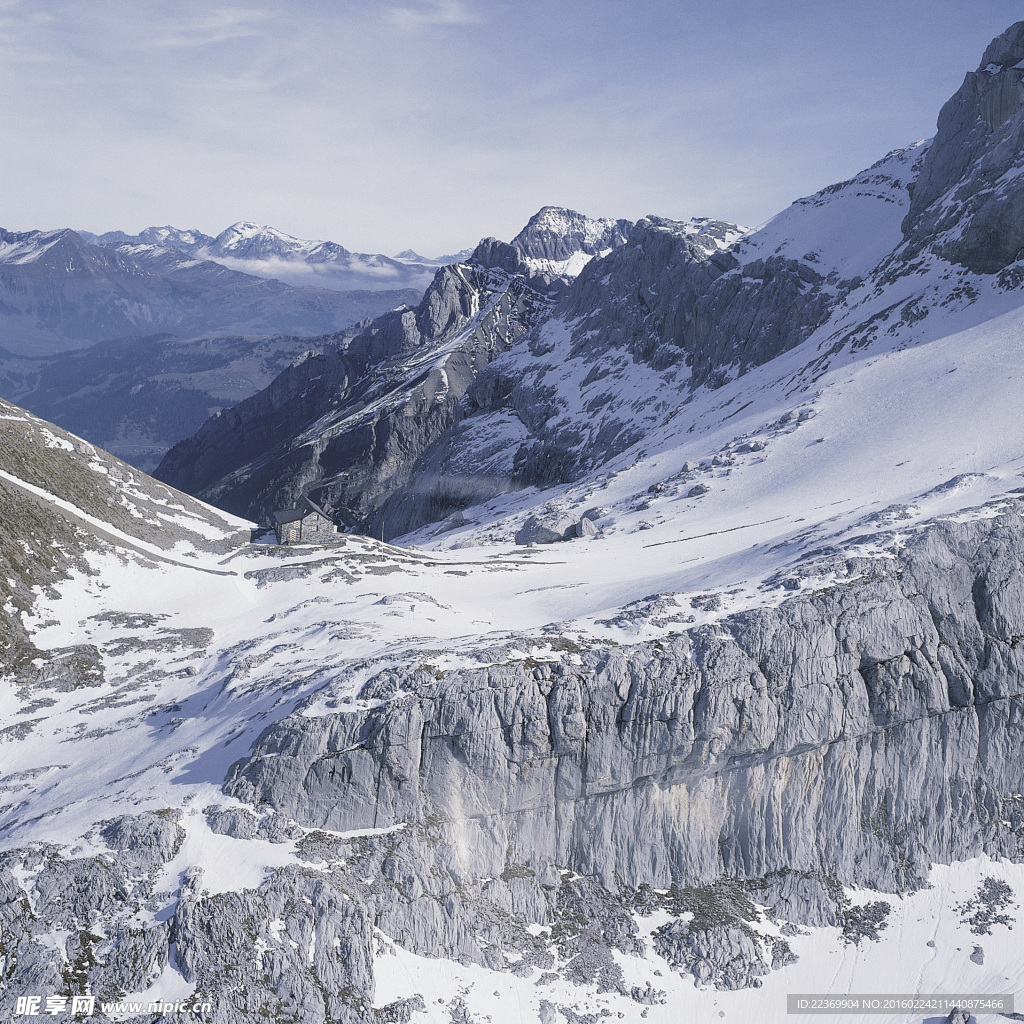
(266, 252)
(137, 396)
(668, 663)
(59, 292)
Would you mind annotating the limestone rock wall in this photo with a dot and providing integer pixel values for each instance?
(863, 733)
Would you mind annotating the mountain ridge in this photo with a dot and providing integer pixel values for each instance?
(265, 251)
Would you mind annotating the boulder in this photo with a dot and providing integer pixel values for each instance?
(548, 529)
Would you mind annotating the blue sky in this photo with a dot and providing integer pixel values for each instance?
(430, 123)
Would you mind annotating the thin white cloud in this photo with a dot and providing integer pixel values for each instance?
(434, 13)
(210, 27)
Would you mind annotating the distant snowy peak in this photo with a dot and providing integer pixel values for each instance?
(555, 233)
(188, 240)
(411, 256)
(60, 252)
(264, 251)
(246, 240)
(27, 246)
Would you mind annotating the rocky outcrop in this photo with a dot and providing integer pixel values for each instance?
(642, 299)
(676, 294)
(555, 233)
(554, 527)
(968, 201)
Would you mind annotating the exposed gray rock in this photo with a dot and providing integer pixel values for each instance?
(144, 841)
(586, 528)
(767, 761)
(837, 715)
(864, 921)
(987, 907)
(554, 233)
(968, 202)
(727, 957)
(551, 528)
(317, 968)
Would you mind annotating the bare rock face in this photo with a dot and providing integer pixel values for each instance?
(554, 233)
(726, 778)
(826, 714)
(968, 181)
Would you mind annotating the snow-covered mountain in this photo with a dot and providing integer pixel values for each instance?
(59, 292)
(382, 392)
(555, 233)
(266, 252)
(390, 389)
(695, 681)
(409, 256)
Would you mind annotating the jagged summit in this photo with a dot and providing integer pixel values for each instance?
(555, 233)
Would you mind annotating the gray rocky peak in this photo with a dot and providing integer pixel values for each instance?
(555, 233)
(966, 181)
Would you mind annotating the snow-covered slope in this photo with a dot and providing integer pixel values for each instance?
(848, 228)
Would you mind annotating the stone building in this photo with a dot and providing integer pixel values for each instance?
(306, 523)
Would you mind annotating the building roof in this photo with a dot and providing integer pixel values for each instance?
(302, 510)
(290, 515)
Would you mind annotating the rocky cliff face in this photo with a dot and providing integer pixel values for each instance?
(672, 796)
(968, 203)
(805, 738)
